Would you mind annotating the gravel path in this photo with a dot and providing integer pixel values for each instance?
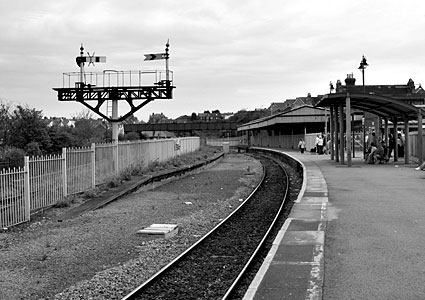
(100, 256)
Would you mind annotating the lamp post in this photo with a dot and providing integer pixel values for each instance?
(363, 65)
(331, 88)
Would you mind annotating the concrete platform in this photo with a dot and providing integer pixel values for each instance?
(294, 266)
(350, 234)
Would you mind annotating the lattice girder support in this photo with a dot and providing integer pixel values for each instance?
(102, 94)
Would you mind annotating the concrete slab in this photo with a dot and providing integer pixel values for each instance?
(306, 206)
(286, 276)
(315, 194)
(306, 211)
(303, 238)
(165, 230)
(294, 253)
(304, 225)
(279, 294)
(314, 200)
(313, 215)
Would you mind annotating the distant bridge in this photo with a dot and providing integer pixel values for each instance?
(200, 126)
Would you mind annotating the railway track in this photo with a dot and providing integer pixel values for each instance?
(219, 265)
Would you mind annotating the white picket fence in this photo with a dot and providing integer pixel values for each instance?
(45, 180)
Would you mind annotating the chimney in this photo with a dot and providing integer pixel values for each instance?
(350, 80)
(411, 85)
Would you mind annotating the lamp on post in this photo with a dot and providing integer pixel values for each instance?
(363, 65)
(331, 87)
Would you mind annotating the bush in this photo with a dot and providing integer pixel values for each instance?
(92, 193)
(33, 149)
(137, 170)
(65, 202)
(114, 182)
(126, 174)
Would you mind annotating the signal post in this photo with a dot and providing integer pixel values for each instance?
(95, 89)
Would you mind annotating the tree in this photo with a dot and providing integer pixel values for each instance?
(89, 130)
(132, 119)
(61, 137)
(4, 122)
(244, 116)
(28, 126)
(33, 149)
(158, 118)
(84, 114)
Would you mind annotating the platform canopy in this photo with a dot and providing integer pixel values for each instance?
(382, 106)
(395, 107)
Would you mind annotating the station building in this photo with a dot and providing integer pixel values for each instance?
(285, 129)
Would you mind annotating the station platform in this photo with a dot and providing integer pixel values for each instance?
(354, 233)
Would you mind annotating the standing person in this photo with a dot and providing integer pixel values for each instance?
(316, 144)
(390, 145)
(301, 146)
(328, 146)
(400, 145)
(325, 145)
(320, 144)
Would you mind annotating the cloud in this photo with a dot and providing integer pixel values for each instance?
(225, 54)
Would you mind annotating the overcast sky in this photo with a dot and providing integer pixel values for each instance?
(226, 55)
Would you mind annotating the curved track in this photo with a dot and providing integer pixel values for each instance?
(214, 266)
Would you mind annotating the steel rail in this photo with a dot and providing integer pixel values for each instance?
(133, 293)
(266, 235)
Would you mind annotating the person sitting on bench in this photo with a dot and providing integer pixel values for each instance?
(381, 153)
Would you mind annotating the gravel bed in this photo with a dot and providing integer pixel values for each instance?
(100, 256)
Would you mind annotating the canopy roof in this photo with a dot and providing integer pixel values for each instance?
(382, 106)
(302, 114)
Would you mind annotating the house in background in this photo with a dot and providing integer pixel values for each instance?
(289, 104)
(61, 122)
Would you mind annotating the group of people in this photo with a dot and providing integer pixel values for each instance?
(374, 144)
(377, 152)
(319, 146)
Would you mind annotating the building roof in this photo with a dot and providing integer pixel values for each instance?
(290, 104)
(302, 114)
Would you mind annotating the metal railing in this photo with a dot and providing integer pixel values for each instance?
(45, 180)
(113, 78)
